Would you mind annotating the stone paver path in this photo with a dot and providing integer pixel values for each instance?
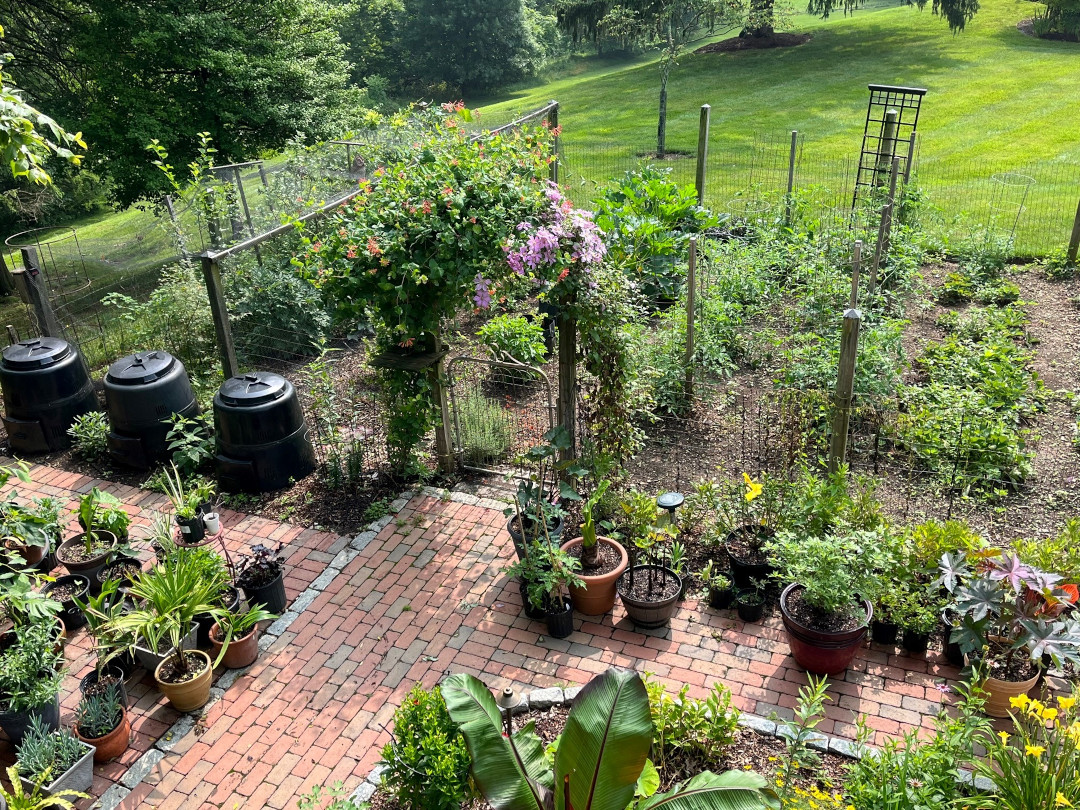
(422, 597)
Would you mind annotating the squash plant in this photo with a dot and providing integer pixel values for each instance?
(599, 759)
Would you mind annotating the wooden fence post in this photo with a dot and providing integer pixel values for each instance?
(1074, 240)
(845, 382)
(702, 153)
(887, 144)
(856, 260)
(220, 312)
(444, 445)
(567, 401)
(881, 249)
(790, 176)
(691, 290)
(553, 124)
(32, 290)
(910, 158)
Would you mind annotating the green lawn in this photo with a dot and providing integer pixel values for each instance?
(998, 101)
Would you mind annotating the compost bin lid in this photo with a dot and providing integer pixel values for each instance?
(141, 368)
(36, 353)
(254, 388)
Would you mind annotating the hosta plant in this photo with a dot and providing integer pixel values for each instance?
(599, 758)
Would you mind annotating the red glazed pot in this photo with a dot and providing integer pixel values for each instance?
(819, 651)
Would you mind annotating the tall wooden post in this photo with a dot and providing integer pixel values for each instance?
(31, 286)
(887, 144)
(691, 295)
(702, 153)
(1074, 240)
(220, 313)
(444, 445)
(845, 382)
(881, 249)
(553, 123)
(910, 158)
(856, 260)
(7, 283)
(567, 401)
(790, 176)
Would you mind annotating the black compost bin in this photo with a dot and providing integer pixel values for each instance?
(45, 387)
(262, 438)
(142, 391)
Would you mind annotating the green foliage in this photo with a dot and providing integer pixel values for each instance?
(510, 339)
(331, 412)
(90, 435)
(411, 414)
(685, 724)
(103, 511)
(1060, 554)
(484, 429)
(930, 540)
(547, 571)
(811, 360)
(47, 753)
(427, 764)
(31, 670)
(917, 773)
(191, 441)
(99, 713)
(798, 755)
(19, 799)
(332, 798)
(967, 419)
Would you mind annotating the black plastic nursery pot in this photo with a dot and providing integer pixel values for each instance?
(560, 623)
(192, 530)
(70, 613)
(953, 653)
(916, 642)
(117, 569)
(531, 611)
(742, 569)
(272, 594)
(721, 599)
(555, 530)
(750, 610)
(16, 723)
(113, 673)
(883, 632)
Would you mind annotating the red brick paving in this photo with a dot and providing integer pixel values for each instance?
(428, 597)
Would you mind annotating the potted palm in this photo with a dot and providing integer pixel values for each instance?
(31, 672)
(87, 553)
(603, 561)
(262, 576)
(824, 604)
(1009, 616)
(55, 756)
(168, 598)
(235, 636)
(101, 721)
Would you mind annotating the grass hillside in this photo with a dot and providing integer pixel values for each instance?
(998, 100)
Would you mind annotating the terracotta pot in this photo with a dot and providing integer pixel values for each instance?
(112, 744)
(87, 568)
(189, 695)
(31, 555)
(241, 653)
(998, 693)
(819, 651)
(597, 597)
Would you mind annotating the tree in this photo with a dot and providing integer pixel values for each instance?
(29, 137)
(250, 74)
(671, 25)
(469, 45)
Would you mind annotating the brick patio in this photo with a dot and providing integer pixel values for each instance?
(423, 597)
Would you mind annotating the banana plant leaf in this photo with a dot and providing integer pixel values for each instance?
(605, 743)
(511, 777)
(733, 790)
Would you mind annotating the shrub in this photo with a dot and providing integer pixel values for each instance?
(427, 764)
(90, 434)
(484, 429)
(191, 442)
(683, 723)
(511, 339)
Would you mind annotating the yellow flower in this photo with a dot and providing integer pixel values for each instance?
(1061, 801)
(1035, 708)
(1066, 703)
(1049, 714)
(1019, 702)
(753, 489)
(1074, 732)
(1004, 737)
(1034, 750)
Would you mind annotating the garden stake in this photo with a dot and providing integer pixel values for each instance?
(702, 153)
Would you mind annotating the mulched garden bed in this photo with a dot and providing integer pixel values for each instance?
(750, 751)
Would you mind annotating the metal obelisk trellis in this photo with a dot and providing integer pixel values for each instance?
(892, 117)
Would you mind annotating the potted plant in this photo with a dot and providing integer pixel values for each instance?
(235, 636)
(87, 553)
(824, 604)
(212, 520)
(108, 513)
(168, 598)
(885, 627)
(750, 602)
(533, 514)
(68, 590)
(28, 531)
(649, 589)
(548, 571)
(20, 602)
(101, 721)
(918, 616)
(31, 672)
(262, 576)
(55, 756)
(35, 799)
(186, 505)
(113, 647)
(599, 572)
(753, 512)
(719, 585)
(1011, 615)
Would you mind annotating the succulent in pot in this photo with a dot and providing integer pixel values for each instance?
(1011, 615)
(101, 720)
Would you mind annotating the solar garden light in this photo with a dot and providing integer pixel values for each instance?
(669, 502)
